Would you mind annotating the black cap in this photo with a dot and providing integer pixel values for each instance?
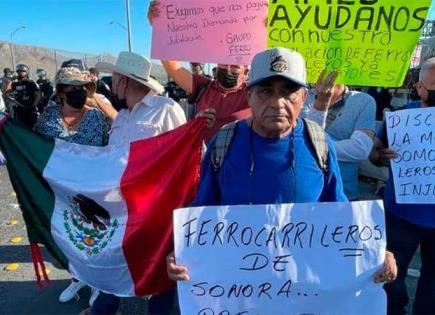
(94, 70)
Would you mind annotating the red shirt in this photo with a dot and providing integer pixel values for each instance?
(229, 105)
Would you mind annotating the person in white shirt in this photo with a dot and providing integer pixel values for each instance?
(349, 118)
(146, 115)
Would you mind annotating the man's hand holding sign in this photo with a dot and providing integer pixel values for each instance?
(261, 258)
(302, 258)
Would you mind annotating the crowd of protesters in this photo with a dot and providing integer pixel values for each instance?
(267, 105)
(272, 113)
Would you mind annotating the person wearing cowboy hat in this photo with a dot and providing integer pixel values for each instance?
(146, 113)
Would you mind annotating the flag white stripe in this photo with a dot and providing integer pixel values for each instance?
(94, 172)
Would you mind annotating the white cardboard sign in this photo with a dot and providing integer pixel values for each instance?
(411, 133)
(281, 259)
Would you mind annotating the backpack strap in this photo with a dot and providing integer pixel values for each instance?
(318, 140)
(222, 143)
(316, 135)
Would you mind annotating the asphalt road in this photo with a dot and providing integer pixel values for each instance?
(18, 293)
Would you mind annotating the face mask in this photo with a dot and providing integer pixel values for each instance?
(430, 100)
(76, 98)
(120, 103)
(226, 78)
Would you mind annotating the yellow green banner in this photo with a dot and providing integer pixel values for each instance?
(370, 42)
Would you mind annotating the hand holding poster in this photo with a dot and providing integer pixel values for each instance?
(281, 259)
(411, 134)
(219, 31)
(369, 42)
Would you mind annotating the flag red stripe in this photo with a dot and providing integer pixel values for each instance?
(162, 174)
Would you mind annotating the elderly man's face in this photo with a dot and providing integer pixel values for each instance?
(276, 104)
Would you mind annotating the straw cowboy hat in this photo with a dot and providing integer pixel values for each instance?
(133, 66)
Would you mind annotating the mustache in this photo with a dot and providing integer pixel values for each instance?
(274, 114)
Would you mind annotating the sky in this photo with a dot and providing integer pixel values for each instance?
(80, 25)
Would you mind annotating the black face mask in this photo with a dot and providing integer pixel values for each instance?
(120, 103)
(430, 100)
(226, 78)
(76, 98)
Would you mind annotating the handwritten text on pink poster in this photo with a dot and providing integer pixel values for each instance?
(217, 31)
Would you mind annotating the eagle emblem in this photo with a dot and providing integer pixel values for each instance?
(278, 64)
(88, 225)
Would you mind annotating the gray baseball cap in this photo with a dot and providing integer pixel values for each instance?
(278, 62)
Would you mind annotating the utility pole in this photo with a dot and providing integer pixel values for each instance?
(127, 7)
(55, 61)
(126, 30)
(12, 45)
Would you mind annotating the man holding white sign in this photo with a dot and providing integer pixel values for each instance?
(409, 194)
(274, 157)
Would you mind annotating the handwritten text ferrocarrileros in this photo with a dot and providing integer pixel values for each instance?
(290, 235)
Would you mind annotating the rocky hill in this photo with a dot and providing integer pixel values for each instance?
(51, 59)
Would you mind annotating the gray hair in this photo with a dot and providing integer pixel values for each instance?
(427, 65)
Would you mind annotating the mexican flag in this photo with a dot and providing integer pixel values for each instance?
(105, 213)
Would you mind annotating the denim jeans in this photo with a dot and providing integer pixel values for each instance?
(160, 304)
(105, 304)
(403, 240)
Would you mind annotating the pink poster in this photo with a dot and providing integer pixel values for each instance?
(210, 31)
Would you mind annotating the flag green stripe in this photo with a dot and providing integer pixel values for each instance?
(27, 154)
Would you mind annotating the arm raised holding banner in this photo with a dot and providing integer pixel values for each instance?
(349, 118)
(185, 79)
(226, 95)
(330, 95)
(182, 76)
